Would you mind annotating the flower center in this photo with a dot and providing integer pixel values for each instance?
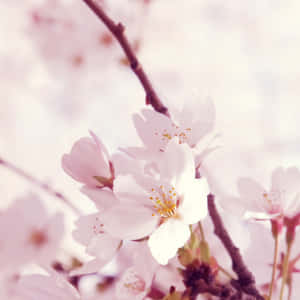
(136, 287)
(38, 238)
(273, 201)
(164, 200)
(97, 226)
(166, 135)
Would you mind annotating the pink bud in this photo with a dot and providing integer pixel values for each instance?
(88, 162)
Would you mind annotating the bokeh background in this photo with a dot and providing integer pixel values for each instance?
(62, 74)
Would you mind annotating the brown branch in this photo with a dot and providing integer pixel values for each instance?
(118, 29)
(246, 280)
(44, 186)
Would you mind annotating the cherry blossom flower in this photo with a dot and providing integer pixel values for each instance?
(156, 130)
(28, 233)
(136, 281)
(281, 199)
(89, 162)
(162, 205)
(91, 232)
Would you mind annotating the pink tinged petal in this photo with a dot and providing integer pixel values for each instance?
(200, 126)
(86, 161)
(194, 205)
(92, 266)
(149, 127)
(205, 124)
(103, 198)
(285, 187)
(177, 164)
(101, 146)
(251, 194)
(103, 246)
(144, 263)
(167, 238)
(293, 207)
(86, 228)
(131, 286)
(43, 287)
(125, 163)
(134, 152)
(204, 148)
(129, 191)
(47, 248)
(277, 178)
(129, 222)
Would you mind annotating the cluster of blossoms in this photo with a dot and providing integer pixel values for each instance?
(150, 236)
(150, 229)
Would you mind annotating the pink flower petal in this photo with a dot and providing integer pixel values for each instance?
(129, 222)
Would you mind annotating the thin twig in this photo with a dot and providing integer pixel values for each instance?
(245, 280)
(117, 30)
(44, 186)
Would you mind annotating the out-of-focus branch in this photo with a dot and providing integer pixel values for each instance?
(245, 281)
(44, 186)
(118, 29)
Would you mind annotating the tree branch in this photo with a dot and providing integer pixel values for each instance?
(44, 186)
(118, 29)
(246, 280)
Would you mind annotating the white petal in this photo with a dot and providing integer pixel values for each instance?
(129, 222)
(165, 241)
(84, 231)
(91, 266)
(103, 198)
(194, 205)
(103, 246)
(132, 285)
(177, 164)
(150, 126)
(251, 194)
(129, 191)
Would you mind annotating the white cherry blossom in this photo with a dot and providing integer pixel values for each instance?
(162, 205)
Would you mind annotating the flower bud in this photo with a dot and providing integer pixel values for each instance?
(88, 162)
(185, 256)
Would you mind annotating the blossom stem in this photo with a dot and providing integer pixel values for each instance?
(117, 30)
(290, 290)
(201, 231)
(44, 186)
(225, 272)
(285, 268)
(276, 242)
